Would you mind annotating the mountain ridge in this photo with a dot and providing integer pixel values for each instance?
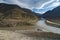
(9, 12)
(53, 15)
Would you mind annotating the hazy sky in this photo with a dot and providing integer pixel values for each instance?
(38, 6)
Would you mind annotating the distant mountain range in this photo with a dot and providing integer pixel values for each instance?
(53, 15)
(13, 15)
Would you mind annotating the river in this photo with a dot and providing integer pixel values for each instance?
(44, 27)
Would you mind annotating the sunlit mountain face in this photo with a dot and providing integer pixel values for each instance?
(38, 6)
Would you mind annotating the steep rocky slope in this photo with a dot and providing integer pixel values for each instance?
(13, 15)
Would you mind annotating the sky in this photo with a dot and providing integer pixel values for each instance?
(38, 6)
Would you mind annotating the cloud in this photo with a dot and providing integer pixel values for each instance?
(33, 3)
(38, 6)
(47, 6)
(26, 3)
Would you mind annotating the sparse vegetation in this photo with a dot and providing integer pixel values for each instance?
(13, 16)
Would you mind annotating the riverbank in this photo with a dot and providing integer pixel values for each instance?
(27, 35)
(47, 28)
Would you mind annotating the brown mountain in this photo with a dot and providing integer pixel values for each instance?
(13, 15)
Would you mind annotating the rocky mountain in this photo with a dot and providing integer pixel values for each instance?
(53, 15)
(13, 15)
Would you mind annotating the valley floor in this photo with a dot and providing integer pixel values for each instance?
(27, 35)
